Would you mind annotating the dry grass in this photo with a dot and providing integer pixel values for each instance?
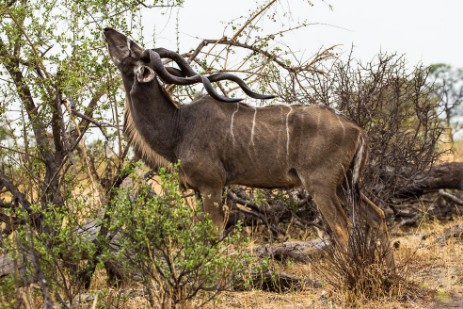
(433, 269)
(456, 153)
(435, 264)
(459, 150)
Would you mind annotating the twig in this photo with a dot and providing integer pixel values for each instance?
(14, 190)
(250, 20)
(450, 197)
(292, 69)
(99, 124)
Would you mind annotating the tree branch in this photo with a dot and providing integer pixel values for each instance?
(292, 69)
(451, 197)
(84, 123)
(18, 195)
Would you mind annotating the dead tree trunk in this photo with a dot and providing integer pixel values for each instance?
(444, 176)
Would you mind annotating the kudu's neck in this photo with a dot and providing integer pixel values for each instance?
(155, 118)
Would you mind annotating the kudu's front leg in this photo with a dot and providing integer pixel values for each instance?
(208, 180)
(212, 205)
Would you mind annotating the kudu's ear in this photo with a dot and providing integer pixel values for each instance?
(145, 74)
(136, 49)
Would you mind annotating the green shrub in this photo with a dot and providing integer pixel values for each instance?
(174, 247)
(50, 255)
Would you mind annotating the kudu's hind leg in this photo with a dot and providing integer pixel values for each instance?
(377, 220)
(371, 214)
(333, 213)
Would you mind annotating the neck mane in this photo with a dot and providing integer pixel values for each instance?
(153, 159)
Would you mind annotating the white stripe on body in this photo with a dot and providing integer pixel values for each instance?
(232, 122)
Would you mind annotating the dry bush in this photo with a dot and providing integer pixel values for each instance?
(361, 274)
(398, 107)
(364, 270)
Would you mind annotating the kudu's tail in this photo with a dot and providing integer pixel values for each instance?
(356, 169)
(363, 211)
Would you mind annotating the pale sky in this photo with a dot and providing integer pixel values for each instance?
(426, 31)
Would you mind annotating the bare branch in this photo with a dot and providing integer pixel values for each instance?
(252, 18)
(324, 54)
(14, 190)
(451, 197)
(142, 3)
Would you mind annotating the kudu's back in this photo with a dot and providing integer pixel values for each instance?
(270, 147)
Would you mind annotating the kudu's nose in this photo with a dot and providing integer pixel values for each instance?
(108, 30)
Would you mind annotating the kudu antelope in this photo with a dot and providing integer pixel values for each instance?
(219, 144)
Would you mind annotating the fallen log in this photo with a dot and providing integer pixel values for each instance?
(298, 251)
(277, 282)
(444, 176)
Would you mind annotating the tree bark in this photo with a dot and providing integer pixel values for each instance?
(444, 176)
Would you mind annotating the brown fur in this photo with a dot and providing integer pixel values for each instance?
(141, 148)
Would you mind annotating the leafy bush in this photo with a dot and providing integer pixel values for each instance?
(49, 255)
(175, 249)
(162, 239)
